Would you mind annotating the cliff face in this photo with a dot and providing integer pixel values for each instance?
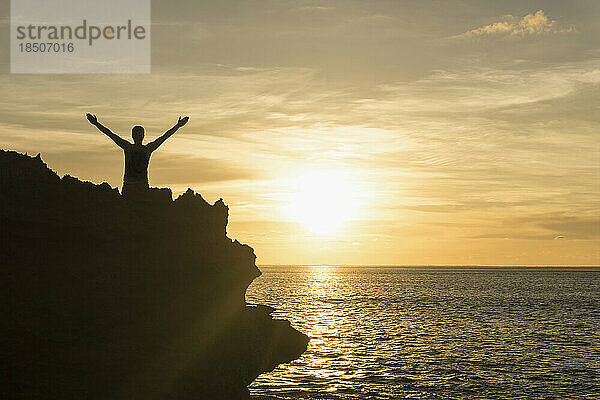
(109, 299)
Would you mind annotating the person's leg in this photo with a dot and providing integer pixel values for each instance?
(134, 191)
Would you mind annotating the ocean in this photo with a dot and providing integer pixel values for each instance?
(435, 332)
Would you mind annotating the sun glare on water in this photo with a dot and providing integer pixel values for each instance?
(323, 202)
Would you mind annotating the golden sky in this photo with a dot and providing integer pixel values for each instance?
(455, 132)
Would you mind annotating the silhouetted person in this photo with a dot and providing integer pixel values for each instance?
(137, 155)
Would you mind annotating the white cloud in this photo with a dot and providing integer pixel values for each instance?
(511, 27)
(314, 8)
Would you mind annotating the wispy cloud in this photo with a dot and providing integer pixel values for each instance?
(512, 27)
(314, 8)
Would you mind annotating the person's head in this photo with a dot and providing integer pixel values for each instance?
(137, 133)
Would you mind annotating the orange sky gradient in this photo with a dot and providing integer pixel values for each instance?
(458, 133)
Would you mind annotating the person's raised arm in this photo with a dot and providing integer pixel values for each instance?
(116, 138)
(160, 140)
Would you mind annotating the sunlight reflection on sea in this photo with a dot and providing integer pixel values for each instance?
(435, 333)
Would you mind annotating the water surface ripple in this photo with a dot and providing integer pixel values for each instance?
(435, 333)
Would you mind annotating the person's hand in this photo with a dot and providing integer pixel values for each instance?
(182, 121)
(92, 118)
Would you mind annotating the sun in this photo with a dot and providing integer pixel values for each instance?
(323, 201)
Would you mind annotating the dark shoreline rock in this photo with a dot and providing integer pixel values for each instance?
(109, 299)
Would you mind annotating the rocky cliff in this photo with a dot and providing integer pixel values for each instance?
(104, 298)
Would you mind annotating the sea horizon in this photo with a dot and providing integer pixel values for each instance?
(435, 265)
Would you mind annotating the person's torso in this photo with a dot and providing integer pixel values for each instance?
(137, 159)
